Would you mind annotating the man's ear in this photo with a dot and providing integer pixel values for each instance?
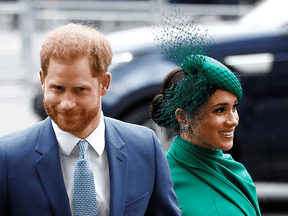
(105, 81)
(42, 79)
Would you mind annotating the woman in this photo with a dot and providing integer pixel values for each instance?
(198, 102)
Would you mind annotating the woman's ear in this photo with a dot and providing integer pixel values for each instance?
(180, 115)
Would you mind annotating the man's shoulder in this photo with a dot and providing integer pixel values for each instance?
(128, 132)
(124, 125)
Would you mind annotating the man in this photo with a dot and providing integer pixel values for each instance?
(124, 170)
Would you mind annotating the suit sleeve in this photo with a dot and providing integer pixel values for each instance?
(163, 200)
(3, 183)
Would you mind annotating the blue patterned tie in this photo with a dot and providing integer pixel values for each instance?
(84, 187)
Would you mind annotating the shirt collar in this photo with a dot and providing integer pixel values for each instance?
(68, 141)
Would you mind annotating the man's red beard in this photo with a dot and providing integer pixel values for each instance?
(72, 120)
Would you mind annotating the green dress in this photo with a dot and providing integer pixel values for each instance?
(210, 183)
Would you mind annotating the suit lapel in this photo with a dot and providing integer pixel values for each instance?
(49, 170)
(117, 169)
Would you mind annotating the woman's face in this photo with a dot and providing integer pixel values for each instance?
(214, 125)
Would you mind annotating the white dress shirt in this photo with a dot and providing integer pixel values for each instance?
(97, 155)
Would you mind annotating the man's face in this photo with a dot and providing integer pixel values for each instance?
(72, 97)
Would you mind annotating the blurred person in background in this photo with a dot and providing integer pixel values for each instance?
(120, 168)
(198, 102)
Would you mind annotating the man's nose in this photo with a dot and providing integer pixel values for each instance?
(67, 101)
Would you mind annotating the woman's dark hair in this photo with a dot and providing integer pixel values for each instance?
(172, 82)
(169, 84)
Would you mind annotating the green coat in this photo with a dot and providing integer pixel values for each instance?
(210, 183)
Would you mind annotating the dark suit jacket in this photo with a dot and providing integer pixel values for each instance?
(31, 181)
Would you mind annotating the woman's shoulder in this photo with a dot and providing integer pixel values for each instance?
(198, 198)
(182, 177)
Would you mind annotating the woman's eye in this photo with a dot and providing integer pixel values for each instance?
(235, 106)
(219, 110)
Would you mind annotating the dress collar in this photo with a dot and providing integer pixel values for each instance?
(219, 171)
(68, 141)
(191, 147)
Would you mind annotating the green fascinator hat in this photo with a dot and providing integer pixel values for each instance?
(203, 75)
(187, 43)
(216, 74)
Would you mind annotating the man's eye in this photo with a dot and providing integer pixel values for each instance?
(80, 89)
(59, 87)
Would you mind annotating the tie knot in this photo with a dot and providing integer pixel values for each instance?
(83, 147)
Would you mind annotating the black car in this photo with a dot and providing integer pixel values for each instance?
(261, 60)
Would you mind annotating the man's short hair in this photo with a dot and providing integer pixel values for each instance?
(75, 41)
